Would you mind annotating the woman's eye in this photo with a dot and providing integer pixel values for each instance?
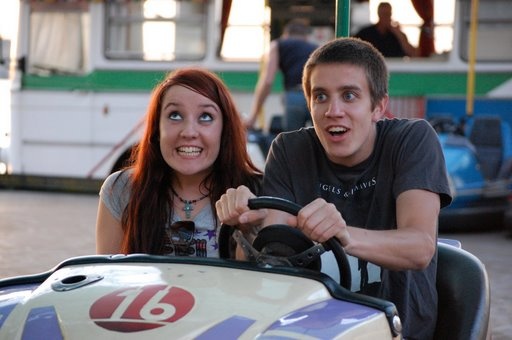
(205, 117)
(320, 97)
(175, 116)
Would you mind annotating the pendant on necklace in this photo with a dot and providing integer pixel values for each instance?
(188, 204)
(187, 208)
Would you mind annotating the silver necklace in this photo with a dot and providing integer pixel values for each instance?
(188, 204)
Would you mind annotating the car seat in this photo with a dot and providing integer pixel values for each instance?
(464, 295)
(486, 136)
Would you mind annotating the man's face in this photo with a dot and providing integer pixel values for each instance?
(385, 13)
(342, 112)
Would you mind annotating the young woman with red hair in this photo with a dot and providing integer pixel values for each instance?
(193, 149)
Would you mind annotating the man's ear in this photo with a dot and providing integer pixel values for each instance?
(380, 109)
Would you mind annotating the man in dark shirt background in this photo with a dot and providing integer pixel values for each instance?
(288, 54)
(386, 35)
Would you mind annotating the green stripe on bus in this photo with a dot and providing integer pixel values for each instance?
(401, 84)
(126, 81)
(422, 84)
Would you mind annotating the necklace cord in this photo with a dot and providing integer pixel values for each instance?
(188, 201)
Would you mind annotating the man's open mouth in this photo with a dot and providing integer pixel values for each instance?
(337, 131)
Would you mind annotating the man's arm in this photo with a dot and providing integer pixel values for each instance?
(410, 246)
(264, 84)
(409, 50)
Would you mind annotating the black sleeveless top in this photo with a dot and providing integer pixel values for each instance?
(293, 54)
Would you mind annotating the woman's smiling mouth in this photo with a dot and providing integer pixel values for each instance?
(189, 151)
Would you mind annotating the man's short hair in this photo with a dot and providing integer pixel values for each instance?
(353, 51)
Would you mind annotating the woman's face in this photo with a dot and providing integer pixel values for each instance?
(190, 131)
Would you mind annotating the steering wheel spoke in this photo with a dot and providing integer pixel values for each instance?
(306, 257)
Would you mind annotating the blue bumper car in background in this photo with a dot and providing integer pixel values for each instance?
(478, 153)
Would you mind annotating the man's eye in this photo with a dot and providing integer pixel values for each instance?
(206, 117)
(349, 96)
(175, 115)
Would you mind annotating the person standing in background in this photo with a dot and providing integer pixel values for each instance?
(386, 35)
(288, 54)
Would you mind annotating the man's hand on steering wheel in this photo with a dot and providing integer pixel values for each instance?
(268, 246)
(321, 221)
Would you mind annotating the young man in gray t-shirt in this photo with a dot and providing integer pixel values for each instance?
(376, 185)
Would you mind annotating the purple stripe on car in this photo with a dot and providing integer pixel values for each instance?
(324, 319)
(231, 328)
(42, 323)
(5, 311)
(11, 297)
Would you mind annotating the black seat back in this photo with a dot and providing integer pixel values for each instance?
(487, 138)
(464, 295)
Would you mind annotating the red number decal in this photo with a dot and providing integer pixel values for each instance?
(149, 306)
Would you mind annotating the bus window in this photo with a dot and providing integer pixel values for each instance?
(5, 48)
(494, 37)
(246, 33)
(253, 24)
(58, 38)
(410, 21)
(444, 17)
(156, 30)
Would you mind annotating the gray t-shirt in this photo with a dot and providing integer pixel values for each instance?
(115, 194)
(407, 155)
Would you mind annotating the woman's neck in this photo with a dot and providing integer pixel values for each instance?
(190, 187)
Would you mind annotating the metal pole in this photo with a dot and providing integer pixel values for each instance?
(342, 18)
(470, 90)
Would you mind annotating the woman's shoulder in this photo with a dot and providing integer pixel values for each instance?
(115, 192)
(117, 181)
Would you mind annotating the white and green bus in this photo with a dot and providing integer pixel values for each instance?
(83, 70)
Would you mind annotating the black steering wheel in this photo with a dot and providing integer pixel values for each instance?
(282, 244)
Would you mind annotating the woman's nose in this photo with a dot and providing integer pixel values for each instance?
(189, 129)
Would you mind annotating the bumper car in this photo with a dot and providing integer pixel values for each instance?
(478, 154)
(281, 292)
